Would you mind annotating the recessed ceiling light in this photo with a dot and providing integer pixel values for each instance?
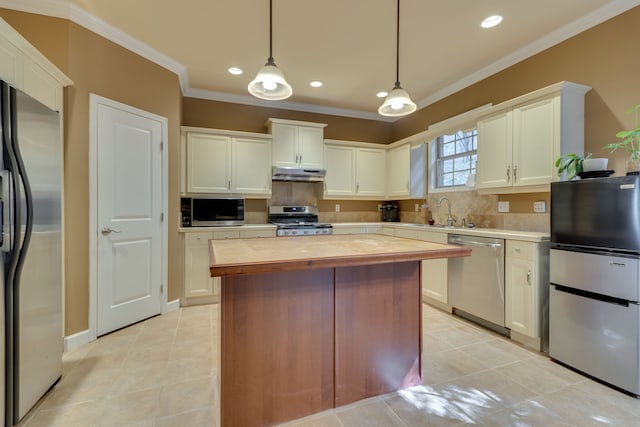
(315, 83)
(382, 94)
(235, 71)
(491, 21)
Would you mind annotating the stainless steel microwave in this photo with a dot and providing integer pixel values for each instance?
(211, 212)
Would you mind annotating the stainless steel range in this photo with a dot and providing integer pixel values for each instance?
(297, 221)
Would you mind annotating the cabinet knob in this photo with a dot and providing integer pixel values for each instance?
(515, 173)
(508, 173)
(529, 277)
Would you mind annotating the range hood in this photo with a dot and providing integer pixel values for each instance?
(280, 173)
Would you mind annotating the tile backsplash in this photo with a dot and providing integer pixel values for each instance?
(482, 210)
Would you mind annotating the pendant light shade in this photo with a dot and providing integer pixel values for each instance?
(270, 84)
(398, 102)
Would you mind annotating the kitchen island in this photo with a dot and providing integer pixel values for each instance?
(309, 323)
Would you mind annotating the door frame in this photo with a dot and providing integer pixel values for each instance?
(94, 102)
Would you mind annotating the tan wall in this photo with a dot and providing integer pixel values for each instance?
(99, 66)
(604, 57)
(248, 118)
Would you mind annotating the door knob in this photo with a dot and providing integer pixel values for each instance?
(106, 231)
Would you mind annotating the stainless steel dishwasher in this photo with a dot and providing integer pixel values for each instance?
(476, 282)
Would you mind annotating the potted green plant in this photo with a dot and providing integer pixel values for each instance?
(571, 164)
(630, 141)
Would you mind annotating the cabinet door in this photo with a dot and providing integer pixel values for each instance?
(285, 145)
(495, 138)
(398, 172)
(310, 147)
(535, 134)
(251, 169)
(519, 295)
(197, 282)
(370, 172)
(341, 171)
(208, 163)
(434, 279)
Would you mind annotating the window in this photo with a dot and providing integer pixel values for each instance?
(456, 157)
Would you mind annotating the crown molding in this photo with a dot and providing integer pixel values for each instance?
(64, 9)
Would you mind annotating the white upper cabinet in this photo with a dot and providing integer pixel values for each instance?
(355, 170)
(297, 144)
(519, 140)
(341, 170)
(208, 163)
(226, 163)
(26, 69)
(398, 180)
(370, 172)
(251, 169)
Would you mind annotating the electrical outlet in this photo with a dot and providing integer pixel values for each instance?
(540, 206)
(337, 207)
(503, 207)
(417, 207)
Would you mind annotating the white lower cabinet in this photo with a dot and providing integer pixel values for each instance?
(199, 286)
(197, 281)
(526, 290)
(434, 271)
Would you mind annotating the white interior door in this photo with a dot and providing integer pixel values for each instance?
(129, 217)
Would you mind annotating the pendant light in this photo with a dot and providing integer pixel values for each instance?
(270, 84)
(397, 103)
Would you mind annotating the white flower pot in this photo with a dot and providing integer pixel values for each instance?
(591, 165)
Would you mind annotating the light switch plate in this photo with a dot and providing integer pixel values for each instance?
(503, 207)
(540, 206)
(337, 207)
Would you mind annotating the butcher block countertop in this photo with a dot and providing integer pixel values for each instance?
(276, 254)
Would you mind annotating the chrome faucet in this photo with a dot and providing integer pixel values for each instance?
(450, 221)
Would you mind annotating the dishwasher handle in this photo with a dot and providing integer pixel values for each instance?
(465, 242)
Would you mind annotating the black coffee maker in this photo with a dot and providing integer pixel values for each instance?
(389, 212)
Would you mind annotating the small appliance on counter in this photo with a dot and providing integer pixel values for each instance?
(389, 212)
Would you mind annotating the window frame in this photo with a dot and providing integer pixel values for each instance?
(439, 158)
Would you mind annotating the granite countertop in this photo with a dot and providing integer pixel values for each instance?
(277, 254)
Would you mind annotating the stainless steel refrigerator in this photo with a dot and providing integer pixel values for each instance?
(31, 211)
(594, 299)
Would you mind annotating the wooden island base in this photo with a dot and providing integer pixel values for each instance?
(314, 322)
(300, 342)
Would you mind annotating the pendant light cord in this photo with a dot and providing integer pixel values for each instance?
(398, 45)
(271, 31)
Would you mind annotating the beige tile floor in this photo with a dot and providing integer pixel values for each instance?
(164, 372)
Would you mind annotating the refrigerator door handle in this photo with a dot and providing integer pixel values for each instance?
(6, 210)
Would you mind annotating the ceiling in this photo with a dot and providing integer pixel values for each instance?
(347, 44)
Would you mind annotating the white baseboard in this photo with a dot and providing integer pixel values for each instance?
(76, 340)
(173, 305)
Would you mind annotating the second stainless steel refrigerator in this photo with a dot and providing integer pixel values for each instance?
(594, 309)
(30, 205)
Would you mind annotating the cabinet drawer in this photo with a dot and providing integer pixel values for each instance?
(435, 237)
(226, 235)
(200, 238)
(247, 234)
(521, 250)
